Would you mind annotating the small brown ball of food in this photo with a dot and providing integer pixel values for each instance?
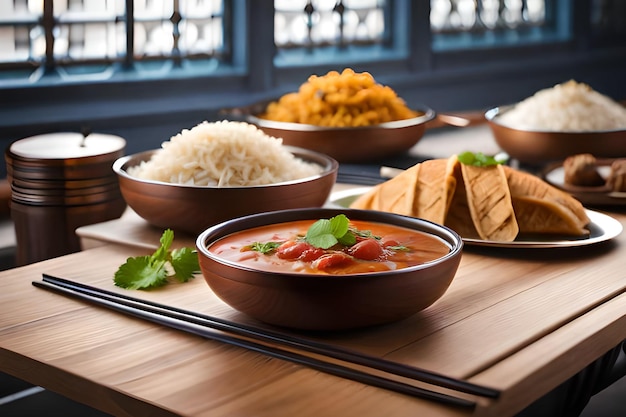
(582, 170)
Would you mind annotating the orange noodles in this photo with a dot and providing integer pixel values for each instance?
(345, 99)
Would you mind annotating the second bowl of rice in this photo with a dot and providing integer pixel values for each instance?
(222, 170)
(568, 119)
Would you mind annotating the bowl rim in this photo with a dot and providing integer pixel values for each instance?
(452, 239)
(429, 114)
(331, 166)
(492, 114)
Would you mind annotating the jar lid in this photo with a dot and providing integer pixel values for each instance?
(66, 145)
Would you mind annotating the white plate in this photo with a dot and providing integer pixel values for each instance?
(556, 175)
(600, 195)
(601, 228)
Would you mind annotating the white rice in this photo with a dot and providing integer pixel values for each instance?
(224, 154)
(567, 107)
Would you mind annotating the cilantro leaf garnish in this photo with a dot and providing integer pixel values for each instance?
(365, 234)
(399, 248)
(479, 159)
(151, 271)
(264, 247)
(323, 234)
(347, 239)
(326, 233)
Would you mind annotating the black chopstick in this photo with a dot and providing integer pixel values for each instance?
(308, 345)
(148, 313)
(359, 179)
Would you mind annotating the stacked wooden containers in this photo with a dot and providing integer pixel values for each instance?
(59, 182)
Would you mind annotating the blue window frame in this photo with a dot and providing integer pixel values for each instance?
(147, 94)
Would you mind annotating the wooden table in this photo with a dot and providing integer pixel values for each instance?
(521, 321)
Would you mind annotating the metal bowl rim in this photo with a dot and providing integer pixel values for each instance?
(491, 116)
(429, 114)
(330, 166)
(444, 233)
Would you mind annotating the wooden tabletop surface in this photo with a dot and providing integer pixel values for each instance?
(522, 321)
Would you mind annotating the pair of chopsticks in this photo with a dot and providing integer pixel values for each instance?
(359, 179)
(367, 178)
(257, 339)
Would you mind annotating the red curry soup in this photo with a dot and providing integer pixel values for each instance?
(286, 247)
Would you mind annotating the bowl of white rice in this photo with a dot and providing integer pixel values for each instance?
(567, 119)
(217, 171)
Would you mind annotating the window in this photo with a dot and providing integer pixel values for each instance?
(314, 24)
(91, 38)
(129, 40)
(485, 15)
(470, 24)
(325, 31)
(144, 69)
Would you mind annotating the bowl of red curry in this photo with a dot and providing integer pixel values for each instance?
(328, 269)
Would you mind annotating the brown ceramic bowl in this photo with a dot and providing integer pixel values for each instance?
(345, 144)
(537, 147)
(192, 209)
(328, 302)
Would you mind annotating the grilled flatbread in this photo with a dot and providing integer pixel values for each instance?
(459, 218)
(435, 186)
(523, 184)
(539, 216)
(489, 202)
(423, 191)
(395, 195)
(493, 203)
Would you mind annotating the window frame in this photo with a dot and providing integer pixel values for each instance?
(419, 62)
(443, 80)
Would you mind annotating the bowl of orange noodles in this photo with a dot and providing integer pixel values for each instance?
(347, 115)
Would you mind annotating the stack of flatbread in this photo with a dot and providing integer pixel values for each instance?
(495, 203)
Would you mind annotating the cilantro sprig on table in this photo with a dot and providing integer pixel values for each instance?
(151, 271)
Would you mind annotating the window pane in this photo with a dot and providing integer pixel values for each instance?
(90, 36)
(87, 29)
(465, 24)
(309, 23)
(21, 38)
(183, 29)
(484, 15)
(323, 30)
